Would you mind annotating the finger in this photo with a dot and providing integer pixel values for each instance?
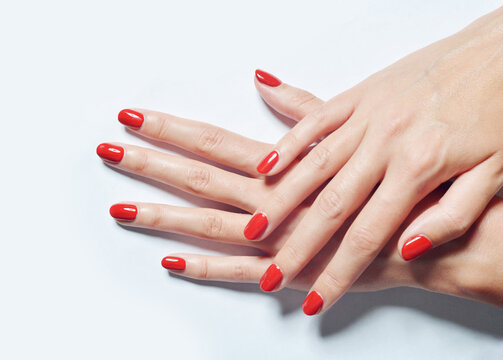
(456, 211)
(208, 141)
(245, 269)
(285, 99)
(316, 124)
(188, 175)
(335, 203)
(208, 224)
(375, 224)
(316, 167)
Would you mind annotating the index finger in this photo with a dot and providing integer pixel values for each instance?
(209, 141)
(366, 237)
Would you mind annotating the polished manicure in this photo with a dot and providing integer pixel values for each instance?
(124, 212)
(312, 303)
(271, 278)
(268, 163)
(267, 79)
(131, 118)
(256, 226)
(415, 247)
(173, 263)
(109, 152)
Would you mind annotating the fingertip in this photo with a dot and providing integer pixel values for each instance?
(131, 118)
(173, 263)
(415, 247)
(268, 162)
(312, 304)
(256, 226)
(266, 78)
(123, 212)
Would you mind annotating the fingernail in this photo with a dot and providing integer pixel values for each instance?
(110, 152)
(269, 161)
(131, 118)
(271, 278)
(256, 226)
(124, 212)
(312, 303)
(173, 263)
(267, 79)
(415, 247)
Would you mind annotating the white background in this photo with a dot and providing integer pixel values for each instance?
(75, 285)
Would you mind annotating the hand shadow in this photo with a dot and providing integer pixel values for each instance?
(352, 307)
(483, 318)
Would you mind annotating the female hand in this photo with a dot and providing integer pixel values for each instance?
(430, 117)
(213, 183)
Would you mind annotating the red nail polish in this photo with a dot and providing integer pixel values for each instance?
(415, 247)
(271, 278)
(312, 303)
(256, 226)
(131, 118)
(269, 161)
(124, 212)
(267, 79)
(173, 263)
(110, 152)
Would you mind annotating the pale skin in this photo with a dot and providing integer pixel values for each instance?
(469, 267)
(387, 143)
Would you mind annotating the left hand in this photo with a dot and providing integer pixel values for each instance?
(432, 116)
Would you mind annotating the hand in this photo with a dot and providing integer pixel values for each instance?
(432, 116)
(213, 183)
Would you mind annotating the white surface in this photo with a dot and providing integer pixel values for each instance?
(74, 285)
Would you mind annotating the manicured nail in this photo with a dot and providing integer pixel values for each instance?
(312, 303)
(267, 79)
(271, 278)
(131, 118)
(123, 212)
(110, 152)
(269, 161)
(415, 247)
(256, 227)
(173, 263)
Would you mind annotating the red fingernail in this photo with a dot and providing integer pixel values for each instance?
(415, 247)
(110, 152)
(312, 303)
(269, 161)
(173, 263)
(271, 278)
(256, 227)
(131, 118)
(266, 78)
(124, 212)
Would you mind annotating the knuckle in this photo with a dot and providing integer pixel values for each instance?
(198, 179)
(161, 131)
(330, 204)
(319, 116)
(320, 157)
(456, 223)
(334, 282)
(141, 162)
(155, 221)
(362, 241)
(290, 139)
(279, 200)
(302, 99)
(292, 254)
(203, 268)
(209, 139)
(240, 272)
(212, 225)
